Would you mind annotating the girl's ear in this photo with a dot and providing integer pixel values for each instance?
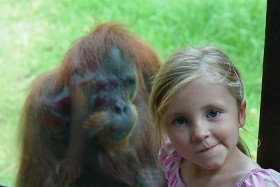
(242, 113)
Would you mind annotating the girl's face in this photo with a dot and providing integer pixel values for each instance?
(203, 122)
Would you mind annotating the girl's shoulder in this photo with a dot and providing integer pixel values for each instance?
(260, 177)
(170, 162)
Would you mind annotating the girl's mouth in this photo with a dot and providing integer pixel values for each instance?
(207, 148)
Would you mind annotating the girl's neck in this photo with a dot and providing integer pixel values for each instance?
(236, 165)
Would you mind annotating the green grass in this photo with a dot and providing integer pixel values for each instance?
(35, 35)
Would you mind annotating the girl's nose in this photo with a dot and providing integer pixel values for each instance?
(200, 132)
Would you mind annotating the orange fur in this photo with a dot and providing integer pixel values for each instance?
(38, 160)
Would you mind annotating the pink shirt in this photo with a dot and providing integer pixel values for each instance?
(255, 178)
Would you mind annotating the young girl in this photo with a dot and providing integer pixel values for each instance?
(197, 106)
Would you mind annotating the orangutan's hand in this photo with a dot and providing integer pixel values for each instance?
(69, 169)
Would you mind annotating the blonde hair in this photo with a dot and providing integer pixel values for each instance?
(181, 68)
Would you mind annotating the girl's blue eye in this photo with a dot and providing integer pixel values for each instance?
(213, 114)
(180, 121)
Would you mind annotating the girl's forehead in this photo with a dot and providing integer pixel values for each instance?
(201, 90)
(201, 84)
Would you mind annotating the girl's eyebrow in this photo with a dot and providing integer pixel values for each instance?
(215, 105)
(173, 115)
